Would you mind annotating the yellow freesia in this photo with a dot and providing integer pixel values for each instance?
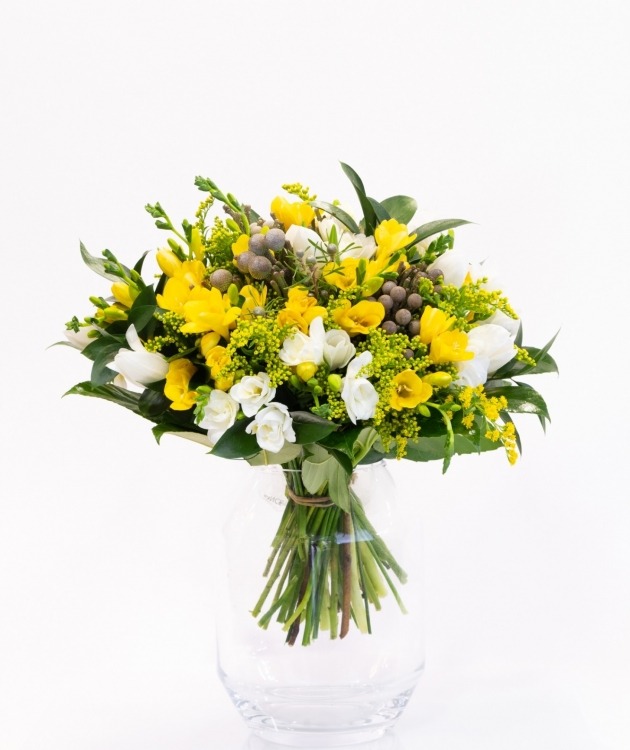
(208, 342)
(299, 213)
(450, 346)
(253, 297)
(433, 323)
(196, 245)
(168, 262)
(180, 371)
(300, 309)
(209, 310)
(409, 391)
(217, 358)
(123, 293)
(176, 294)
(192, 272)
(241, 245)
(390, 236)
(342, 275)
(359, 318)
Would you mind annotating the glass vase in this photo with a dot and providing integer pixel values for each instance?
(320, 629)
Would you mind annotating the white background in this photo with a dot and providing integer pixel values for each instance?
(512, 114)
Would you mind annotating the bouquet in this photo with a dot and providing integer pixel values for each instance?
(307, 337)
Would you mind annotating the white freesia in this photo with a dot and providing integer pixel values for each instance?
(358, 394)
(499, 318)
(252, 392)
(493, 347)
(137, 365)
(304, 241)
(338, 348)
(219, 415)
(349, 245)
(455, 267)
(81, 338)
(272, 426)
(298, 347)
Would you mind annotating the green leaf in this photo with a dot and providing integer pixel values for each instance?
(102, 351)
(236, 443)
(369, 215)
(339, 486)
(309, 428)
(338, 213)
(166, 428)
(153, 404)
(98, 264)
(343, 441)
(400, 207)
(521, 398)
(138, 267)
(287, 453)
(112, 393)
(434, 227)
(382, 214)
(315, 472)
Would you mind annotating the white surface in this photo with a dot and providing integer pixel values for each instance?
(512, 114)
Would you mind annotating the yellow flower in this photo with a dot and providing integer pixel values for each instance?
(217, 358)
(359, 318)
(300, 309)
(342, 275)
(253, 298)
(450, 346)
(241, 245)
(433, 323)
(168, 262)
(390, 236)
(178, 289)
(176, 389)
(409, 391)
(123, 293)
(208, 342)
(196, 245)
(209, 310)
(299, 213)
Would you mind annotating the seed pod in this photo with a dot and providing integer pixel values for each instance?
(403, 317)
(275, 239)
(414, 301)
(389, 327)
(254, 229)
(243, 260)
(414, 328)
(398, 294)
(260, 268)
(435, 273)
(260, 311)
(386, 301)
(258, 244)
(408, 353)
(388, 286)
(221, 279)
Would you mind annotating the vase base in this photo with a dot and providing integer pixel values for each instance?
(323, 716)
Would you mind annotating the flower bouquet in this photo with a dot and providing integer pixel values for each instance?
(309, 338)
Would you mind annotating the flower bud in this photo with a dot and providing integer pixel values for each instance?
(232, 293)
(306, 370)
(334, 383)
(438, 379)
(168, 262)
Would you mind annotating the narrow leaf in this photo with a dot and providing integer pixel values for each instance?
(338, 213)
(435, 227)
(369, 217)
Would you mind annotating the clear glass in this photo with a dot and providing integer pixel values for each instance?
(340, 690)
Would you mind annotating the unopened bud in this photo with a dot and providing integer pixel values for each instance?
(232, 294)
(334, 383)
(438, 379)
(306, 370)
(168, 262)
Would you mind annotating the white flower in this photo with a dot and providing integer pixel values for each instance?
(137, 365)
(272, 426)
(304, 241)
(219, 415)
(338, 349)
(358, 394)
(499, 318)
(81, 338)
(455, 267)
(350, 245)
(252, 392)
(298, 347)
(493, 347)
